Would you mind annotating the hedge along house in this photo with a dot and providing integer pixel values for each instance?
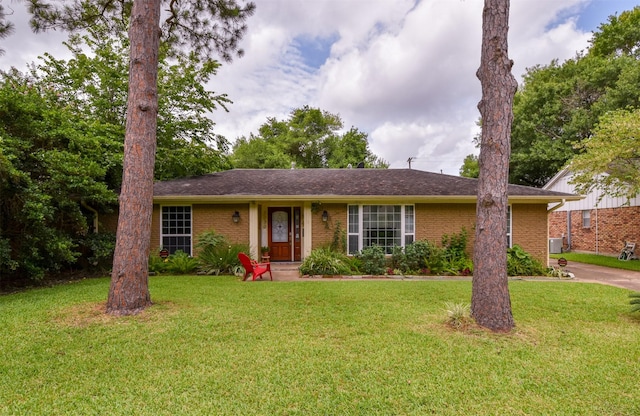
(597, 224)
(293, 211)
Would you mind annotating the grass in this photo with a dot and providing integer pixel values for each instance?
(606, 261)
(214, 345)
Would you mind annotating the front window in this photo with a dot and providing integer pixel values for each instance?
(385, 226)
(586, 219)
(176, 229)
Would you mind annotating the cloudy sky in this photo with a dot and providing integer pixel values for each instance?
(403, 71)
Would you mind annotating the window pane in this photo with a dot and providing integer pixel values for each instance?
(382, 226)
(586, 219)
(176, 229)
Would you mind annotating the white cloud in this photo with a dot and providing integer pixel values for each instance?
(402, 71)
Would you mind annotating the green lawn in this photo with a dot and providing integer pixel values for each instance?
(606, 261)
(218, 346)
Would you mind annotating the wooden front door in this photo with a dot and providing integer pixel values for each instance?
(280, 234)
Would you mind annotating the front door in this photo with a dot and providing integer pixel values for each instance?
(280, 234)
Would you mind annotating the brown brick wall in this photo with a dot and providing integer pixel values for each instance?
(207, 217)
(529, 229)
(432, 222)
(323, 232)
(610, 228)
(435, 220)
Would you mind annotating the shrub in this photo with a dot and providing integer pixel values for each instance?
(181, 263)
(216, 256)
(458, 314)
(425, 257)
(414, 257)
(101, 247)
(157, 264)
(520, 263)
(324, 261)
(372, 260)
(455, 245)
(635, 302)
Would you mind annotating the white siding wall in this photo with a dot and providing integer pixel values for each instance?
(561, 184)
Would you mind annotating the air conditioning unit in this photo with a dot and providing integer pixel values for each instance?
(555, 245)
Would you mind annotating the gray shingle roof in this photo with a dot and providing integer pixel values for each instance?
(264, 183)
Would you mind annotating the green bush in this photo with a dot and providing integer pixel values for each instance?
(324, 261)
(520, 263)
(101, 247)
(455, 245)
(635, 302)
(372, 260)
(425, 257)
(181, 263)
(216, 255)
(157, 265)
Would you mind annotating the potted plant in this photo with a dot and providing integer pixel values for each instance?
(264, 250)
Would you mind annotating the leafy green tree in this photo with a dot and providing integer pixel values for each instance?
(95, 83)
(310, 138)
(610, 160)
(620, 35)
(559, 105)
(470, 167)
(259, 153)
(53, 165)
(201, 27)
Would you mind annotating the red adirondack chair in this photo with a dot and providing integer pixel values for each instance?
(252, 267)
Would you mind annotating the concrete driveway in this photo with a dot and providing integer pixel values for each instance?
(597, 274)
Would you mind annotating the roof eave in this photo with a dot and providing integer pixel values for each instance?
(234, 199)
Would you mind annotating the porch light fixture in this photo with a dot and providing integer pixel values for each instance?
(236, 217)
(325, 216)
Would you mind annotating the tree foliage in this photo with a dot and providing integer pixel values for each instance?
(196, 28)
(53, 165)
(61, 137)
(559, 105)
(6, 27)
(470, 167)
(203, 27)
(94, 81)
(310, 138)
(610, 160)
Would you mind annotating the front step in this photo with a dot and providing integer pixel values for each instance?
(285, 266)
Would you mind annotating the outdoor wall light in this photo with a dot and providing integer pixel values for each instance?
(325, 216)
(236, 217)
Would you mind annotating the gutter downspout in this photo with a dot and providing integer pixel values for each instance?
(95, 215)
(550, 210)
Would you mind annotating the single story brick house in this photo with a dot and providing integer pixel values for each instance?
(293, 211)
(597, 224)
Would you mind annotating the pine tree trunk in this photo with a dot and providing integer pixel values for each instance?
(490, 301)
(129, 291)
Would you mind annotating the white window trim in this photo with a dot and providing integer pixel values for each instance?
(360, 224)
(509, 226)
(190, 235)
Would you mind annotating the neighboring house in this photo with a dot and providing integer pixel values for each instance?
(294, 211)
(597, 224)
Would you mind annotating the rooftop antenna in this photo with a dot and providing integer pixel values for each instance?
(411, 159)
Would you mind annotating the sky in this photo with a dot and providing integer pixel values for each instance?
(402, 71)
